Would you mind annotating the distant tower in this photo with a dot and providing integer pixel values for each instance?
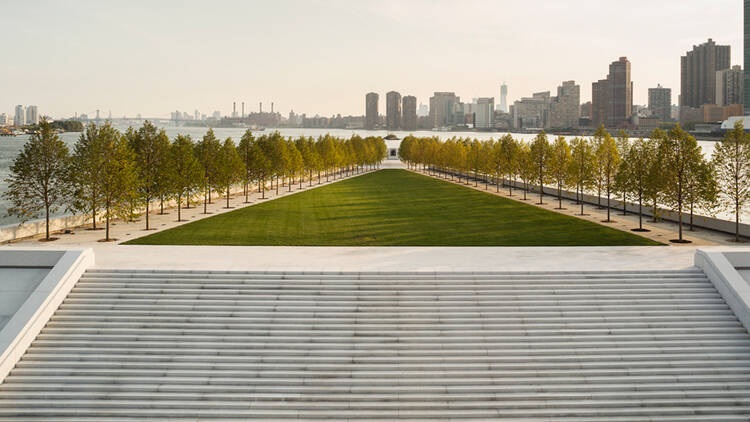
(393, 110)
(20, 117)
(271, 107)
(243, 109)
(371, 110)
(234, 109)
(260, 105)
(409, 112)
(503, 105)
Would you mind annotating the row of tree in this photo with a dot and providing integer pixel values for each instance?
(668, 168)
(123, 174)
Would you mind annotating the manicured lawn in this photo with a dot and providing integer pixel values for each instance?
(393, 208)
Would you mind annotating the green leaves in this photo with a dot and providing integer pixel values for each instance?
(38, 181)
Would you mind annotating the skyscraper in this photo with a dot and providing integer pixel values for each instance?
(698, 69)
(565, 109)
(19, 118)
(32, 115)
(612, 98)
(729, 86)
(660, 103)
(503, 104)
(442, 107)
(409, 109)
(484, 116)
(393, 110)
(371, 110)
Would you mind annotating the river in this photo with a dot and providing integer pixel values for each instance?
(10, 146)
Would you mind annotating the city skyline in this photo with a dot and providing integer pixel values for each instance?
(85, 43)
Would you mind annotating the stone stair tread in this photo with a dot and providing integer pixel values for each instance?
(352, 346)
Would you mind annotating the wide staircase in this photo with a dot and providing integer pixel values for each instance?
(194, 346)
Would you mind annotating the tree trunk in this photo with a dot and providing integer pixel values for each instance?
(205, 203)
(679, 219)
(624, 204)
(46, 220)
(93, 217)
(737, 222)
(148, 201)
(581, 201)
(106, 234)
(541, 190)
(608, 208)
(179, 209)
(640, 212)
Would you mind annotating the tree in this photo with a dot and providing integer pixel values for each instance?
(507, 159)
(261, 163)
(540, 151)
(38, 177)
(185, 172)
(559, 164)
(655, 180)
(599, 137)
(702, 189)
(151, 147)
(527, 168)
(207, 152)
(119, 176)
(86, 172)
(732, 163)
(245, 151)
(230, 169)
(633, 173)
(582, 166)
(475, 158)
(623, 149)
(296, 163)
(608, 159)
(682, 157)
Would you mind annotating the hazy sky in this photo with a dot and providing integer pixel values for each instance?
(152, 57)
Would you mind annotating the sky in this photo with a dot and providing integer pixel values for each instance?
(322, 57)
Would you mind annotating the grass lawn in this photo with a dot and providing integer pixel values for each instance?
(393, 208)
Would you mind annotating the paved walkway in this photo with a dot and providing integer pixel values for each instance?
(662, 231)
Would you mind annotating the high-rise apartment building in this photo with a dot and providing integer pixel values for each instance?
(392, 110)
(32, 115)
(443, 109)
(484, 115)
(409, 110)
(4, 119)
(19, 118)
(698, 69)
(565, 109)
(371, 110)
(660, 103)
(532, 112)
(612, 98)
(503, 104)
(729, 86)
